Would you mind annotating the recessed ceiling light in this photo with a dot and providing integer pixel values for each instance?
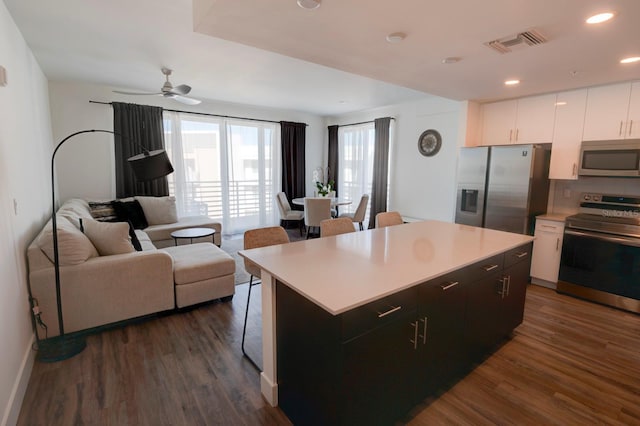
(630, 60)
(309, 4)
(600, 17)
(512, 82)
(451, 60)
(396, 37)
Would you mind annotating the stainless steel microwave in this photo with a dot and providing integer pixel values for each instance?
(610, 158)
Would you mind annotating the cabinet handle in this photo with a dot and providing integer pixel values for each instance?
(488, 268)
(548, 226)
(517, 133)
(557, 244)
(424, 330)
(448, 285)
(630, 127)
(510, 134)
(502, 291)
(508, 284)
(522, 254)
(390, 311)
(415, 335)
(620, 131)
(575, 169)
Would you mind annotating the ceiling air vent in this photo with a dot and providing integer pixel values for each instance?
(524, 39)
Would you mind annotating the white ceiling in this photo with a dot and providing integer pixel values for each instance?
(333, 59)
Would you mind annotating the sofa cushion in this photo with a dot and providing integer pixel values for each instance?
(163, 232)
(199, 262)
(109, 237)
(131, 211)
(75, 209)
(159, 210)
(145, 241)
(74, 247)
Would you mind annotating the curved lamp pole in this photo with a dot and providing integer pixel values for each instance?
(146, 166)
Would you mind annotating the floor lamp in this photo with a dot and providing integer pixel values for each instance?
(148, 165)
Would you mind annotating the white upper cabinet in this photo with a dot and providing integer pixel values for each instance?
(612, 112)
(567, 134)
(522, 121)
(498, 122)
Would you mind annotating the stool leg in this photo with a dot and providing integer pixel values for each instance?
(244, 328)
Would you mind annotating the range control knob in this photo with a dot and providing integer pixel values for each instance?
(596, 198)
(587, 197)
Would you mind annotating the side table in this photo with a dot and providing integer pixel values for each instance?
(191, 233)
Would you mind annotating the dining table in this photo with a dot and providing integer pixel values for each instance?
(335, 202)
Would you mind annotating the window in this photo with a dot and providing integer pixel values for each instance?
(356, 146)
(227, 169)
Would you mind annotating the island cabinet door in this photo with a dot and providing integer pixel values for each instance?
(516, 274)
(349, 369)
(441, 346)
(484, 301)
(378, 373)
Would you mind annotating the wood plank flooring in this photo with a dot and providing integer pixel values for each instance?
(571, 362)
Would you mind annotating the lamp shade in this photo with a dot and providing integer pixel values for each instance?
(151, 165)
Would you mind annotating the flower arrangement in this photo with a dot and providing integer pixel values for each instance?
(323, 189)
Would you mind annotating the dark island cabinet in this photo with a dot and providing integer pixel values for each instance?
(495, 304)
(373, 364)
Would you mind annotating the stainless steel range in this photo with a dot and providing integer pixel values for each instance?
(601, 251)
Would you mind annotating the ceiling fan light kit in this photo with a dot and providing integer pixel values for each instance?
(168, 91)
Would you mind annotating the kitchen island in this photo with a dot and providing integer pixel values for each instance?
(361, 326)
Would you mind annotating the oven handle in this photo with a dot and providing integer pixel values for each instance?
(627, 241)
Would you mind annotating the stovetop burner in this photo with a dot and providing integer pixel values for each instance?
(611, 214)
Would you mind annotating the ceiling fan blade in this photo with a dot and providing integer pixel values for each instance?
(185, 100)
(136, 93)
(182, 89)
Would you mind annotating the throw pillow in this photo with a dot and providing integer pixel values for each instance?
(103, 211)
(74, 247)
(130, 211)
(159, 210)
(109, 237)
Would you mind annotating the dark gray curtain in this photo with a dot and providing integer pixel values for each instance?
(332, 162)
(380, 169)
(136, 126)
(293, 137)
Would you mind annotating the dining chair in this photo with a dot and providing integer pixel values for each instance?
(287, 214)
(315, 211)
(341, 225)
(255, 238)
(361, 210)
(388, 219)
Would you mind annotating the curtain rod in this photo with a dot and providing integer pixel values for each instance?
(362, 122)
(203, 113)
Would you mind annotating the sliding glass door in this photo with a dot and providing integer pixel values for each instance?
(356, 145)
(226, 169)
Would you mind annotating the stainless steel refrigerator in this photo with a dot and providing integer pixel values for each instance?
(503, 187)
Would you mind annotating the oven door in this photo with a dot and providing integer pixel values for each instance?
(601, 267)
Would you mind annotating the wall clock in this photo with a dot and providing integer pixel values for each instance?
(429, 143)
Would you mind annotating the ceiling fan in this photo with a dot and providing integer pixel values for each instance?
(168, 91)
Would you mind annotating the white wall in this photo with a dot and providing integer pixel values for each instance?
(25, 147)
(85, 164)
(421, 187)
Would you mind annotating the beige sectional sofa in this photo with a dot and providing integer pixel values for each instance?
(105, 280)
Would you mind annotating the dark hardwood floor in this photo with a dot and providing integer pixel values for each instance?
(571, 362)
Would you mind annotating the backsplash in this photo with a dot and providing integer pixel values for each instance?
(565, 195)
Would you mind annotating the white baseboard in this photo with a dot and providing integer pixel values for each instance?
(12, 410)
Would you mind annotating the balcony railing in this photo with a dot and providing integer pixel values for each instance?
(243, 198)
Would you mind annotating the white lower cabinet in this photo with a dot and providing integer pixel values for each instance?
(547, 249)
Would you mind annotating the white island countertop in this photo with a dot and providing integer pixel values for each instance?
(346, 271)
